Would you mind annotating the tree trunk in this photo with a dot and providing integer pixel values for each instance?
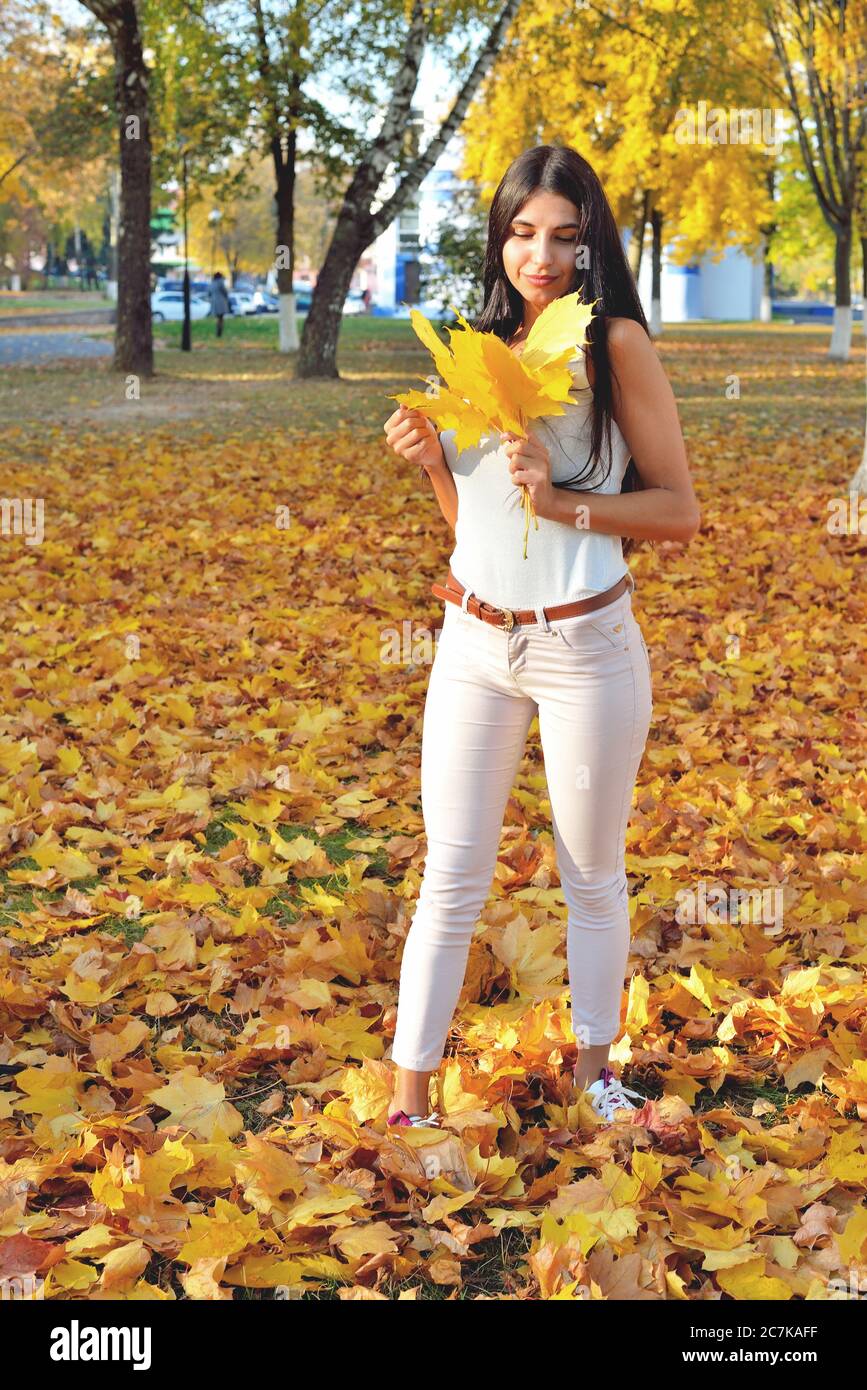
(832, 153)
(766, 312)
(284, 169)
(656, 275)
(859, 480)
(636, 241)
(284, 198)
(841, 337)
(113, 222)
(133, 341)
(322, 330)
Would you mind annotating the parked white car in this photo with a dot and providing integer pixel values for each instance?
(354, 303)
(264, 303)
(242, 302)
(168, 306)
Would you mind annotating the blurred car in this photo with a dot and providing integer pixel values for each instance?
(265, 302)
(174, 285)
(354, 303)
(303, 298)
(168, 306)
(242, 302)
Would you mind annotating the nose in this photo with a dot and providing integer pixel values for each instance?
(544, 263)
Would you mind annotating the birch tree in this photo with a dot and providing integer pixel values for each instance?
(363, 216)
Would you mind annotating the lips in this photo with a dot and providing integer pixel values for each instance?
(540, 279)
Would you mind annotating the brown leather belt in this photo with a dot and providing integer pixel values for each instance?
(508, 618)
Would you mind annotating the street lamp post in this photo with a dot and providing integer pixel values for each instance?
(186, 334)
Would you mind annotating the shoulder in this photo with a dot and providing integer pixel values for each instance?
(630, 350)
(628, 342)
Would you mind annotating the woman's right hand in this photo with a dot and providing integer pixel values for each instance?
(413, 436)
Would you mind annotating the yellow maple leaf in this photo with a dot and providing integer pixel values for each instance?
(69, 760)
(374, 1238)
(844, 1160)
(368, 1089)
(534, 966)
(749, 1281)
(69, 864)
(852, 1240)
(121, 1267)
(223, 1231)
(55, 1089)
(116, 1042)
(197, 1104)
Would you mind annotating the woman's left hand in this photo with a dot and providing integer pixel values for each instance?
(530, 464)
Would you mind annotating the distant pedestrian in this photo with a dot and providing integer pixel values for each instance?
(220, 304)
(367, 296)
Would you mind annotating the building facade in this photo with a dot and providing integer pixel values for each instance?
(730, 288)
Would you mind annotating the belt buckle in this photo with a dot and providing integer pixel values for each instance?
(508, 619)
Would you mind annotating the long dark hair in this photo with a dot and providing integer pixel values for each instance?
(608, 279)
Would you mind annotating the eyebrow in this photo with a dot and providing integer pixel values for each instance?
(520, 222)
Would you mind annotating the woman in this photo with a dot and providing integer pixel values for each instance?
(552, 634)
(220, 302)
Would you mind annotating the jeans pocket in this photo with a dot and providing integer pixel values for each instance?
(594, 635)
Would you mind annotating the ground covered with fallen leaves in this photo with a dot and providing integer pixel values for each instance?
(211, 845)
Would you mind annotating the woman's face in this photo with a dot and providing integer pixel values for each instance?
(540, 251)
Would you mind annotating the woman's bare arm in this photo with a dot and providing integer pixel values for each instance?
(645, 410)
(446, 491)
(416, 438)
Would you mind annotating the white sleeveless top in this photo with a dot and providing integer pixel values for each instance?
(563, 563)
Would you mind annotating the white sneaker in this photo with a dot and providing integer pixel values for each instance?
(608, 1095)
(400, 1117)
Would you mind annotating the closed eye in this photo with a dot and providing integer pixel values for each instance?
(524, 236)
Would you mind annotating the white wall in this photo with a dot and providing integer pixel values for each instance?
(385, 254)
(727, 289)
(731, 288)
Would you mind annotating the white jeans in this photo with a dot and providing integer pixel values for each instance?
(588, 679)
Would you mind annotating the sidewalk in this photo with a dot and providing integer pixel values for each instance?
(51, 318)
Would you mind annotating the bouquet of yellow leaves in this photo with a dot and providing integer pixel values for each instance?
(490, 390)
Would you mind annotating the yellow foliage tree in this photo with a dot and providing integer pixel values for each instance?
(615, 86)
